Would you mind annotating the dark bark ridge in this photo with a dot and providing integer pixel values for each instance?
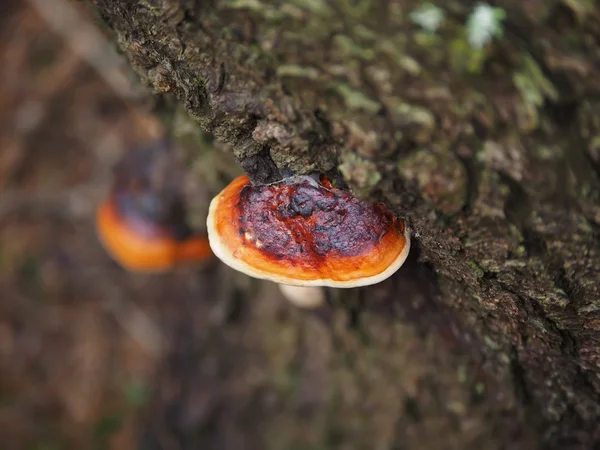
(492, 156)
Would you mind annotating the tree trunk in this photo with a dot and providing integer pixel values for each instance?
(490, 337)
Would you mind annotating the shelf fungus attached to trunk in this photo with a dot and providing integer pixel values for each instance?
(142, 223)
(135, 233)
(304, 232)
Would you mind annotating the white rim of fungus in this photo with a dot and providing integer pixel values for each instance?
(226, 256)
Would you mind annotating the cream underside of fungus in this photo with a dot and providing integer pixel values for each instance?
(304, 296)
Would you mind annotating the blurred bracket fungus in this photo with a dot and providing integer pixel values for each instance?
(303, 233)
(142, 223)
(139, 244)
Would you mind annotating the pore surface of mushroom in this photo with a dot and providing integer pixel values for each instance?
(304, 232)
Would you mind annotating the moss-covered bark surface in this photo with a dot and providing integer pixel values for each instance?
(491, 339)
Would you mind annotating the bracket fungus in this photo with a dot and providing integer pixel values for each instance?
(304, 232)
(142, 224)
(141, 234)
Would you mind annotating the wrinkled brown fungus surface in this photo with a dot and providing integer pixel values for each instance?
(305, 232)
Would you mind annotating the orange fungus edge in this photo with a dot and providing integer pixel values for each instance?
(352, 271)
(139, 253)
(194, 249)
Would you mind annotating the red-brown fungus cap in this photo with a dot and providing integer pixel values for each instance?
(138, 244)
(305, 233)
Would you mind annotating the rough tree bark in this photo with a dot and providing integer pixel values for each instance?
(492, 156)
